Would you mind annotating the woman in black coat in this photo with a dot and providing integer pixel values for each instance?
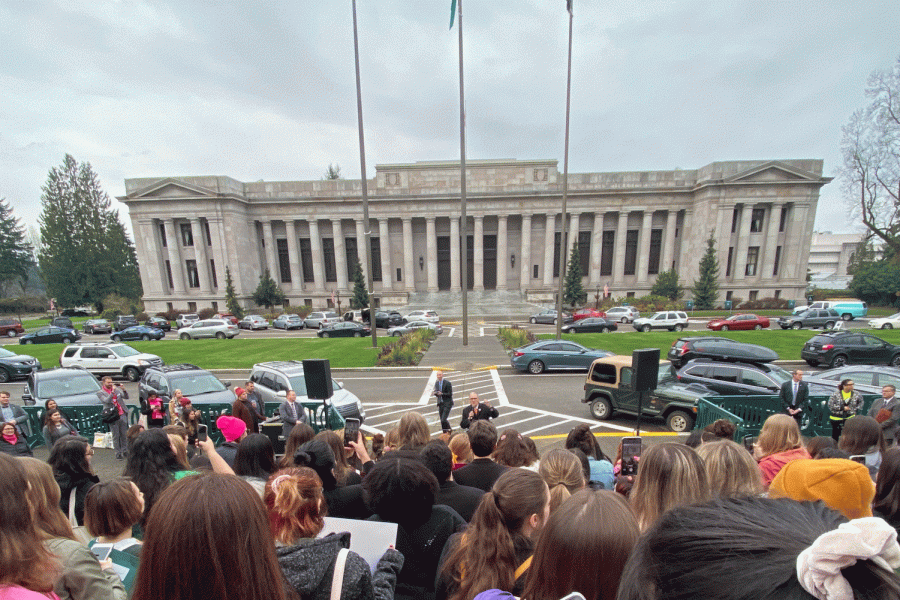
(11, 442)
(70, 458)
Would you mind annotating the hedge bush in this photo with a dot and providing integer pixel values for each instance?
(407, 350)
(515, 337)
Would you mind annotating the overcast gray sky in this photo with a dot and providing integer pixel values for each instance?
(266, 90)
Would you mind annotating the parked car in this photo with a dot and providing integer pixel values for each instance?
(201, 386)
(736, 378)
(274, 379)
(319, 318)
(253, 322)
(738, 322)
(609, 388)
(78, 311)
(16, 366)
(64, 322)
(11, 327)
(109, 358)
(890, 322)
(97, 326)
(227, 316)
(622, 314)
(671, 320)
(554, 354)
(592, 325)
(810, 318)
(209, 328)
(385, 319)
(344, 329)
(353, 315)
(847, 308)
(548, 315)
(186, 320)
(123, 322)
(839, 348)
(430, 316)
(138, 332)
(50, 335)
(413, 326)
(288, 322)
(68, 386)
(159, 323)
(867, 379)
(587, 313)
(717, 348)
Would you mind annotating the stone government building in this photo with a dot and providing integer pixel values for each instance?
(629, 226)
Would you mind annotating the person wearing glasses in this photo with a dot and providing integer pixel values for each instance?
(844, 404)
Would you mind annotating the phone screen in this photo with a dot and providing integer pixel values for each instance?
(631, 450)
(351, 431)
(749, 440)
(860, 458)
(101, 551)
(201, 432)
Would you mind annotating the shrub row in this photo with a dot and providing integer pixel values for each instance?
(407, 350)
(515, 337)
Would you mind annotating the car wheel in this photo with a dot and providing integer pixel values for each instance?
(11, 333)
(895, 362)
(813, 363)
(679, 421)
(887, 326)
(27, 342)
(604, 330)
(797, 326)
(533, 320)
(396, 334)
(601, 409)
(829, 325)
(4, 375)
(117, 338)
(185, 336)
(724, 327)
(757, 327)
(325, 334)
(678, 327)
(132, 374)
(535, 367)
(145, 337)
(357, 334)
(846, 316)
(624, 320)
(554, 321)
(645, 329)
(838, 361)
(67, 340)
(220, 335)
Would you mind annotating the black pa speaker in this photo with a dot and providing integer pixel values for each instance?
(645, 364)
(318, 379)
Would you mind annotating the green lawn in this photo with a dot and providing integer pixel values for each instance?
(237, 353)
(787, 343)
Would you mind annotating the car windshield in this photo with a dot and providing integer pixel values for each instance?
(81, 383)
(665, 375)
(198, 384)
(894, 317)
(778, 374)
(124, 351)
(4, 353)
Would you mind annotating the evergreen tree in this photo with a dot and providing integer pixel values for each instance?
(85, 253)
(573, 291)
(706, 288)
(864, 254)
(360, 297)
(267, 292)
(333, 172)
(16, 258)
(667, 285)
(231, 303)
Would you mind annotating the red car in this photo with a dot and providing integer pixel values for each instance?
(586, 313)
(735, 322)
(227, 317)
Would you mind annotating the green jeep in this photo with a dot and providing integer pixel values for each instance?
(609, 388)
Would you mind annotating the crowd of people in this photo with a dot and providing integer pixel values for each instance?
(479, 514)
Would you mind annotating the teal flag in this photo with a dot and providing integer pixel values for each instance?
(452, 12)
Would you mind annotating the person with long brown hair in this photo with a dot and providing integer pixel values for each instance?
(778, 444)
(511, 450)
(82, 576)
(887, 488)
(219, 523)
(669, 475)
(413, 431)
(495, 550)
(28, 571)
(296, 507)
(583, 548)
(561, 471)
(730, 469)
(300, 434)
(582, 438)
(862, 436)
(344, 474)
(462, 451)
(71, 462)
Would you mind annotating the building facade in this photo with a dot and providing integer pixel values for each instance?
(830, 255)
(629, 227)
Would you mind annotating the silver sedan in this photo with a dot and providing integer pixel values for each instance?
(413, 326)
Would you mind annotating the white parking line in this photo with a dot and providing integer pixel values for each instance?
(502, 400)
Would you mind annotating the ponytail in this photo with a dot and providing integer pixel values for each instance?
(295, 504)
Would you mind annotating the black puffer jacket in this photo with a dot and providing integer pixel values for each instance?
(309, 567)
(81, 482)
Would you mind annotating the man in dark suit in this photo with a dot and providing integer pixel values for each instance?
(890, 403)
(443, 391)
(483, 471)
(795, 396)
(461, 498)
(477, 411)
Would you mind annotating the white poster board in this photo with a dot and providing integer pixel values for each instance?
(369, 539)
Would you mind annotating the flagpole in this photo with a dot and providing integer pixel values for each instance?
(462, 188)
(365, 193)
(565, 222)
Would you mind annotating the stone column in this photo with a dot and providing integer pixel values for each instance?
(478, 259)
(796, 236)
(643, 262)
(200, 254)
(149, 257)
(669, 241)
(217, 232)
(691, 250)
(525, 258)
(455, 285)
(549, 234)
(723, 216)
(740, 253)
(340, 254)
(361, 250)
(502, 252)
(431, 260)
(409, 260)
(619, 253)
(318, 263)
(294, 256)
(173, 243)
(596, 250)
(269, 241)
(387, 278)
(574, 225)
(768, 258)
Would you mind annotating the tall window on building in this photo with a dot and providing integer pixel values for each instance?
(162, 234)
(655, 251)
(756, 220)
(187, 236)
(352, 256)
(212, 271)
(783, 222)
(284, 260)
(556, 241)
(192, 274)
(754, 295)
(169, 275)
(584, 251)
(752, 259)
(306, 259)
(606, 253)
(208, 236)
(777, 261)
(734, 218)
(631, 244)
(728, 264)
(376, 259)
(328, 255)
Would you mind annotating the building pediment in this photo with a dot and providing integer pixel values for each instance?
(173, 188)
(773, 171)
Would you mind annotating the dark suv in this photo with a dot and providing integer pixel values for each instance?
(68, 386)
(123, 322)
(738, 378)
(717, 348)
(839, 348)
(16, 366)
(201, 386)
(810, 318)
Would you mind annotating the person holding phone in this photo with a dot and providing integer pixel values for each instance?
(115, 396)
(443, 391)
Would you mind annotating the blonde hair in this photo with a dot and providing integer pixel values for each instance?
(392, 439)
(413, 431)
(179, 446)
(43, 496)
(730, 470)
(669, 475)
(780, 433)
(561, 471)
(459, 446)
(295, 503)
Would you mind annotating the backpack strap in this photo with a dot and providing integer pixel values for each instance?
(337, 580)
